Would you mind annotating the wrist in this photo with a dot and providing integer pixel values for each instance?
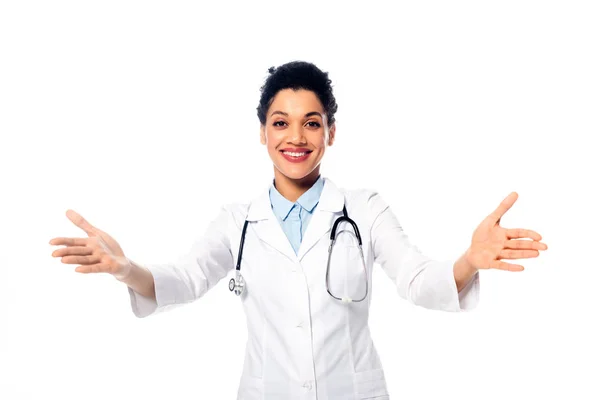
(125, 269)
(464, 270)
(469, 265)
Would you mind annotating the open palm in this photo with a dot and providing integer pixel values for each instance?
(99, 252)
(491, 243)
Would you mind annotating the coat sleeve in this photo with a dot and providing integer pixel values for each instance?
(192, 275)
(422, 281)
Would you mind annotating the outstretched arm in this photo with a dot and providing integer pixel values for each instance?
(152, 288)
(101, 253)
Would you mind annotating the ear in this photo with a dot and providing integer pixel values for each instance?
(331, 134)
(263, 138)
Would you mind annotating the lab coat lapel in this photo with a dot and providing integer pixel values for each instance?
(326, 212)
(267, 227)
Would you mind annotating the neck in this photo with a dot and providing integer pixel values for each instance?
(292, 189)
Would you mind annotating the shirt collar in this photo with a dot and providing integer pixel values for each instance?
(309, 199)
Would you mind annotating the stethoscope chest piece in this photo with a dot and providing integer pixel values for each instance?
(237, 284)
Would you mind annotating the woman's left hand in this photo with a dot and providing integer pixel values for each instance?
(491, 242)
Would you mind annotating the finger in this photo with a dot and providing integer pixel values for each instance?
(81, 222)
(73, 251)
(523, 233)
(69, 241)
(84, 260)
(506, 266)
(525, 245)
(92, 268)
(504, 206)
(514, 254)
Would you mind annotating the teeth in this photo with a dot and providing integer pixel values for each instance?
(289, 153)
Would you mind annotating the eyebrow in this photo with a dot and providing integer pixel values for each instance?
(309, 114)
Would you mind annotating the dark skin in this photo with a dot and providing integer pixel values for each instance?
(296, 119)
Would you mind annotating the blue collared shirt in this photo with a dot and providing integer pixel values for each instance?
(294, 217)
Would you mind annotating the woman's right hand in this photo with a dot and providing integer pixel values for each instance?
(99, 252)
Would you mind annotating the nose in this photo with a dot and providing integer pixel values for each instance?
(297, 135)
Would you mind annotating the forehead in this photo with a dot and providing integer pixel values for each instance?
(296, 102)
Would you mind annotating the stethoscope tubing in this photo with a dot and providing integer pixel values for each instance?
(238, 285)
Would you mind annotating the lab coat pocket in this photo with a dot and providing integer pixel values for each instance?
(371, 385)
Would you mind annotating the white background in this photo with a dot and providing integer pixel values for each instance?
(141, 116)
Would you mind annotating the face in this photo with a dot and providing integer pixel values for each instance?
(296, 134)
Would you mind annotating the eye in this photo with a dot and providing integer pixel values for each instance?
(314, 124)
(279, 123)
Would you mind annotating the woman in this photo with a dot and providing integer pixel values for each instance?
(307, 303)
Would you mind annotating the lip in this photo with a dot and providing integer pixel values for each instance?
(296, 150)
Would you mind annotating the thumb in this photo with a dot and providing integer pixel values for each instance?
(495, 217)
(82, 223)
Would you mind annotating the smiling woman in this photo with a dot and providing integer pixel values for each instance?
(306, 298)
(297, 115)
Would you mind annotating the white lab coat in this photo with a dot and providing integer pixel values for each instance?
(302, 343)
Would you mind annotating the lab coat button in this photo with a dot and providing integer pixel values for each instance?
(307, 385)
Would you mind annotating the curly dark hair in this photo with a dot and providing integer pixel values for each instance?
(297, 75)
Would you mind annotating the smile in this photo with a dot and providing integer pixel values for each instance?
(294, 156)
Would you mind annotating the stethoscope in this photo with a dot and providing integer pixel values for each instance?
(238, 285)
